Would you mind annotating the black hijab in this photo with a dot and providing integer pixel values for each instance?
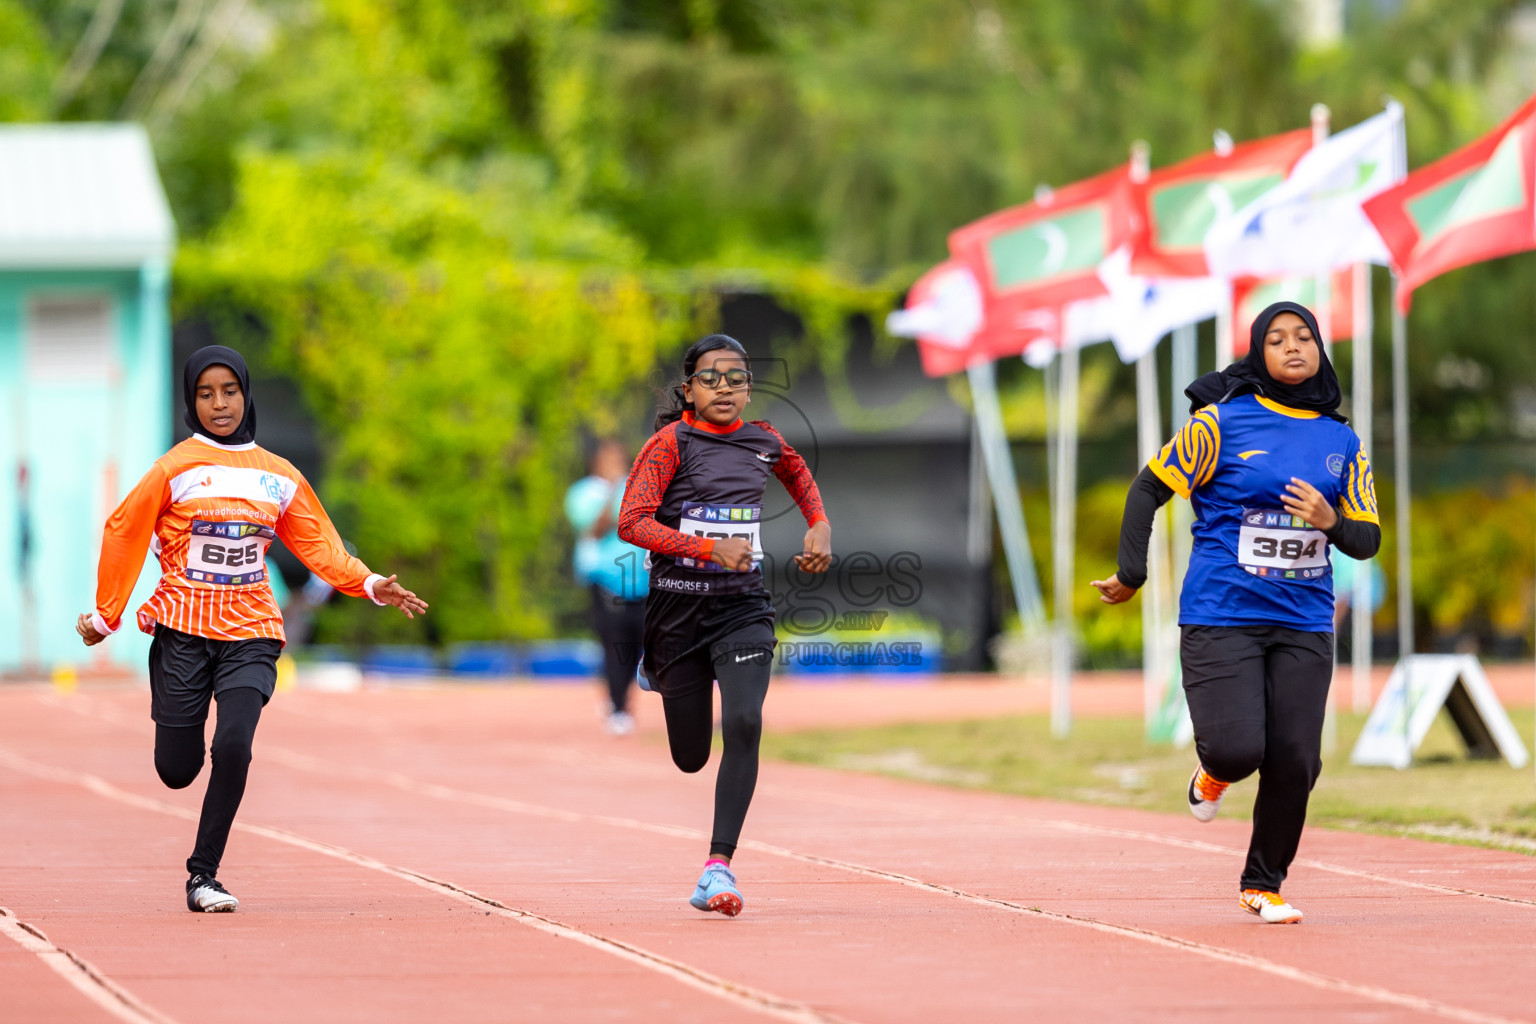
(218, 355)
(1319, 393)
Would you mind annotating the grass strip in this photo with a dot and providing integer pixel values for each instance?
(1444, 796)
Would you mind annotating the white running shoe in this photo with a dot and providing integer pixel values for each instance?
(1205, 794)
(205, 894)
(1270, 906)
(621, 723)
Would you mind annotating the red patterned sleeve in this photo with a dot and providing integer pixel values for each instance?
(796, 477)
(648, 480)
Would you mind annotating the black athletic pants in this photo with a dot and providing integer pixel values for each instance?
(186, 672)
(743, 675)
(179, 759)
(1256, 696)
(620, 627)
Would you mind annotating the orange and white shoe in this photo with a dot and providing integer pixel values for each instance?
(1270, 906)
(1205, 793)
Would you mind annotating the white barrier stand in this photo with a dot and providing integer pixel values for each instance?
(1418, 688)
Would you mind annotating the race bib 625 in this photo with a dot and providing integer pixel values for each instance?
(228, 553)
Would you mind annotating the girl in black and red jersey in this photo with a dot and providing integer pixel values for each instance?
(694, 500)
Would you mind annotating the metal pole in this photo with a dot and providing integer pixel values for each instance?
(978, 531)
(1323, 290)
(1185, 370)
(1153, 597)
(1005, 496)
(1360, 599)
(1401, 480)
(1063, 522)
(1225, 350)
(1324, 285)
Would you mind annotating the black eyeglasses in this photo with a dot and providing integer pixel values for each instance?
(733, 378)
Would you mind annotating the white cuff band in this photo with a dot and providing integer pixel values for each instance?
(99, 624)
(368, 588)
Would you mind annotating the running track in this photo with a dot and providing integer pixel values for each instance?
(490, 855)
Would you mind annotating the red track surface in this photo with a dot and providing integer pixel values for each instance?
(490, 855)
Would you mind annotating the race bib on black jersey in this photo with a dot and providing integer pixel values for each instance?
(1276, 545)
(228, 553)
(718, 522)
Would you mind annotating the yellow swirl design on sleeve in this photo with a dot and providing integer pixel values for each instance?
(1189, 460)
(1359, 497)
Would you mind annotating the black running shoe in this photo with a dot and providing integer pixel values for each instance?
(206, 895)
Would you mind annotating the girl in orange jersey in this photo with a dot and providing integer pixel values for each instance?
(208, 509)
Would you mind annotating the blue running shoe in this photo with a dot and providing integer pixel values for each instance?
(717, 890)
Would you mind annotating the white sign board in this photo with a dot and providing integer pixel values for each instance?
(1418, 688)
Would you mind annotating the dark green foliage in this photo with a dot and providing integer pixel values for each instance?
(474, 228)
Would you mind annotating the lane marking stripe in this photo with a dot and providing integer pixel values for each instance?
(1196, 844)
(1322, 981)
(630, 765)
(1374, 993)
(94, 985)
(723, 988)
(305, 762)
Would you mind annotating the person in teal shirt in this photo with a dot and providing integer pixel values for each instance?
(614, 571)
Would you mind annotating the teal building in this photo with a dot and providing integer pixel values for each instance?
(86, 242)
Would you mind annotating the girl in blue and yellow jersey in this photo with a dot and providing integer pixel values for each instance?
(1275, 476)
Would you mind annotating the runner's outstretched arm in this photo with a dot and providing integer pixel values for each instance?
(124, 541)
(310, 535)
(796, 477)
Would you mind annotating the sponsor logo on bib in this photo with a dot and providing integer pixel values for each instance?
(1274, 544)
(745, 524)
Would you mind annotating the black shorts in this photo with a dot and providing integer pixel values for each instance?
(686, 633)
(186, 672)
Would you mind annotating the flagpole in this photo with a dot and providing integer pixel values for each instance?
(1360, 600)
(1226, 348)
(1185, 370)
(1062, 524)
(1323, 291)
(1005, 496)
(1148, 436)
(1154, 594)
(1401, 482)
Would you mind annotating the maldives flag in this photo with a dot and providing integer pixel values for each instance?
(1471, 206)
(944, 312)
(1045, 254)
(1251, 294)
(1176, 206)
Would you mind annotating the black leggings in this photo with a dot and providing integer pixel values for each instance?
(179, 759)
(620, 627)
(690, 733)
(1256, 696)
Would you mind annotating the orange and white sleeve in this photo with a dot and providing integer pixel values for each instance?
(310, 535)
(124, 542)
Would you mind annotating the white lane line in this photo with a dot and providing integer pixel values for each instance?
(1322, 981)
(305, 762)
(722, 988)
(1420, 1004)
(94, 985)
(308, 763)
(632, 765)
(1196, 844)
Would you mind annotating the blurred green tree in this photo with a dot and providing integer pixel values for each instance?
(472, 228)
